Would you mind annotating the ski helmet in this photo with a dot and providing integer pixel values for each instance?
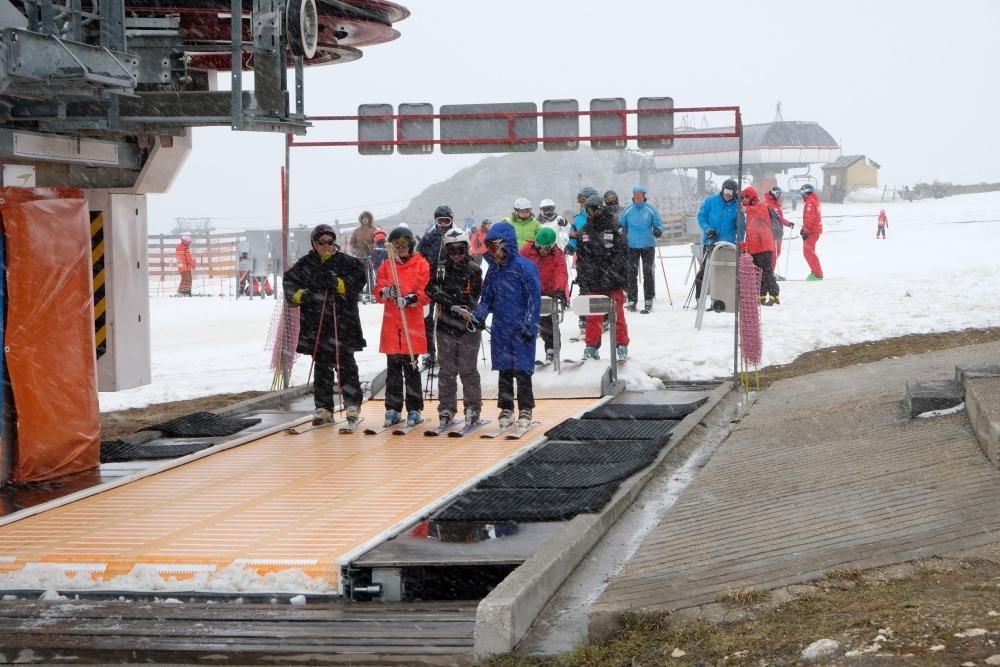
(379, 235)
(320, 230)
(455, 235)
(404, 225)
(611, 198)
(443, 211)
(594, 204)
(186, 239)
(547, 203)
(545, 238)
(402, 232)
(522, 204)
(586, 191)
(775, 193)
(807, 189)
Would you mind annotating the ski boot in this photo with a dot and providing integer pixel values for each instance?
(718, 306)
(764, 301)
(524, 419)
(605, 324)
(392, 417)
(446, 418)
(550, 356)
(591, 353)
(630, 306)
(413, 418)
(647, 307)
(622, 353)
(427, 362)
(322, 416)
(471, 417)
(506, 418)
(353, 414)
(812, 277)
(774, 301)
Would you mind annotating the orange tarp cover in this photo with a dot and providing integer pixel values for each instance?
(50, 332)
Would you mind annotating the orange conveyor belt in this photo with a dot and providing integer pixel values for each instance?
(308, 501)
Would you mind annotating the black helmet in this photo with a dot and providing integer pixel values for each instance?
(319, 230)
(775, 193)
(443, 211)
(586, 191)
(402, 233)
(807, 189)
(594, 204)
(730, 184)
(611, 198)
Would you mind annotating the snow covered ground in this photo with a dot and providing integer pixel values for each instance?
(937, 271)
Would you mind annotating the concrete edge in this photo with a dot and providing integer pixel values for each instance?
(978, 406)
(265, 401)
(504, 616)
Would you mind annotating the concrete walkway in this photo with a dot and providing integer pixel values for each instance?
(824, 473)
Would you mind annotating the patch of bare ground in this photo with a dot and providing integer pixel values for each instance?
(123, 422)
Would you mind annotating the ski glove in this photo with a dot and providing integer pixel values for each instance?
(791, 225)
(389, 293)
(657, 232)
(569, 250)
(296, 299)
(411, 299)
(711, 236)
(334, 283)
(527, 335)
(804, 233)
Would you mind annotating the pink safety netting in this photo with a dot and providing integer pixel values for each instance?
(282, 336)
(751, 341)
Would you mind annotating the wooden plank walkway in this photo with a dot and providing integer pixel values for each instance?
(437, 633)
(823, 473)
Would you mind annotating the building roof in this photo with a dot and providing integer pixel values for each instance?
(845, 161)
(785, 134)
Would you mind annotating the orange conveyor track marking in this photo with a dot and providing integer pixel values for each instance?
(281, 501)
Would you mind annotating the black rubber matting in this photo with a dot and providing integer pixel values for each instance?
(203, 425)
(609, 429)
(605, 451)
(527, 504)
(117, 451)
(562, 475)
(629, 411)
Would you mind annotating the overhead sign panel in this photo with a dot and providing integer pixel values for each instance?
(608, 125)
(652, 124)
(416, 129)
(557, 127)
(489, 134)
(375, 130)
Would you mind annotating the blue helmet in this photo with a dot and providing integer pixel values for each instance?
(638, 189)
(586, 191)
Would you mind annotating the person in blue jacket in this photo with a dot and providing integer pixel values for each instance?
(512, 293)
(643, 226)
(717, 219)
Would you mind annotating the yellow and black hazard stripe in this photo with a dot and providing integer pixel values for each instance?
(97, 261)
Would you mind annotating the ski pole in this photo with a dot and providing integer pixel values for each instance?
(393, 256)
(319, 331)
(336, 356)
(665, 282)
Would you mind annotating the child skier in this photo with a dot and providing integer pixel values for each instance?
(602, 268)
(326, 285)
(544, 252)
(456, 283)
(760, 243)
(512, 294)
(401, 285)
(883, 222)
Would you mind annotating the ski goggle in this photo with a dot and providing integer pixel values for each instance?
(325, 242)
(443, 221)
(548, 209)
(495, 244)
(727, 191)
(401, 244)
(456, 249)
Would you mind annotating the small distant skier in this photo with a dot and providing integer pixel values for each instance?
(602, 268)
(512, 294)
(778, 223)
(544, 253)
(642, 224)
(401, 343)
(185, 265)
(326, 285)
(454, 290)
(760, 244)
(883, 222)
(812, 228)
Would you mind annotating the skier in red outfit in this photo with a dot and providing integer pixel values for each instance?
(812, 227)
(883, 222)
(760, 243)
(778, 223)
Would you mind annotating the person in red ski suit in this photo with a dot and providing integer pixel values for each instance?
(778, 223)
(403, 345)
(760, 243)
(185, 265)
(812, 228)
(883, 222)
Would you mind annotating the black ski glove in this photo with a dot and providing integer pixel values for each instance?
(804, 233)
(657, 232)
(711, 236)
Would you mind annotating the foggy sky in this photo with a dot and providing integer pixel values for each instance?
(911, 84)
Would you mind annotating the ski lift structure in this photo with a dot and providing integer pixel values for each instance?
(796, 181)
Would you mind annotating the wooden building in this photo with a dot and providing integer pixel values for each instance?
(847, 173)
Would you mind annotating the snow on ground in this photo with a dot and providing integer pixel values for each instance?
(937, 271)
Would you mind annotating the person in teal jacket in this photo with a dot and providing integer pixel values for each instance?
(717, 219)
(643, 226)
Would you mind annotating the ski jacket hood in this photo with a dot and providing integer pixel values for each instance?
(748, 191)
(506, 232)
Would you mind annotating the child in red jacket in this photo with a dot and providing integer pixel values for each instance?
(551, 263)
(403, 340)
(760, 244)
(883, 222)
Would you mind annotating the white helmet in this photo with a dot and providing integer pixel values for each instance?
(521, 204)
(546, 203)
(404, 225)
(455, 235)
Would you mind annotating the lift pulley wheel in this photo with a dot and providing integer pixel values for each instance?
(302, 23)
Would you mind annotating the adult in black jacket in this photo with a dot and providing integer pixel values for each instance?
(602, 268)
(457, 281)
(431, 246)
(326, 285)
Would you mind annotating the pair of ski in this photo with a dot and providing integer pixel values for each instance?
(457, 429)
(343, 424)
(510, 431)
(579, 362)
